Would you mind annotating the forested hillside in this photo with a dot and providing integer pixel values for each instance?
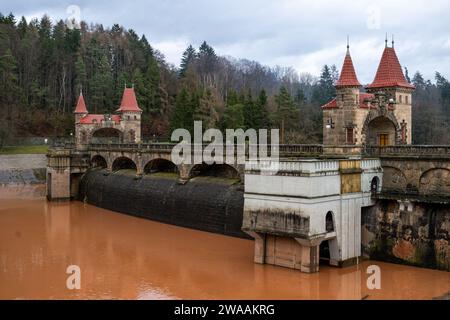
(44, 65)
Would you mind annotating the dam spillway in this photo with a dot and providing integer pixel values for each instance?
(205, 203)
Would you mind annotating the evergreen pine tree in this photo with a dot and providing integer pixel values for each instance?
(188, 57)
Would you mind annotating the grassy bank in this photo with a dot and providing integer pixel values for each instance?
(24, 150)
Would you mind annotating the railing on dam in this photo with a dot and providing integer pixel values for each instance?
(283, 150)
(408, 150)
(286, 150)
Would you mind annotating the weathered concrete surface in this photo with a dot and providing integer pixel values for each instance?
(305, 204)
(204, 203)
(408, 233)
(22, 169)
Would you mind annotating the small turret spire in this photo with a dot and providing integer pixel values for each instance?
(348, 77)
(386, 41)
(392, 40)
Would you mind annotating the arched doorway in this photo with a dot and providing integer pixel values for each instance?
(381, 131)
(99, 162)
(123, 163)
(107, 135)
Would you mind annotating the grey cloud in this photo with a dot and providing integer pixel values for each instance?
(278, 31)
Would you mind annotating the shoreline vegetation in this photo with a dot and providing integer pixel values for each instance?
(42, 149)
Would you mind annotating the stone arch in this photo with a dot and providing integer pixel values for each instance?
(106, 135)
(435, 181)
(381, 121)
(214, 170)
(394, 179)
(121, 163)
(98, 161)
(160, 165)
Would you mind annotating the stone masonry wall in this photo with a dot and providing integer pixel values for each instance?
(407, 233)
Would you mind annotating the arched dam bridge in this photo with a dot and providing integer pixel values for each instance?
(335, 203)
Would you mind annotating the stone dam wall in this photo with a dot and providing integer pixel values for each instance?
(203, 203)
(22, 169)
(415, 234)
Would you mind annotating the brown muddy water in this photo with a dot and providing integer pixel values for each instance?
(123, 257)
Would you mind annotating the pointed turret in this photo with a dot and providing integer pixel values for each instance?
(81, 105)
(348, 75)
(129, 102)
(389, 73)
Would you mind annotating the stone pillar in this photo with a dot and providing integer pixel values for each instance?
(260, 246)
(310, 255)
(58, 175)
(184, 170)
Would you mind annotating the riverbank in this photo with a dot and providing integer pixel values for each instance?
(19, 169)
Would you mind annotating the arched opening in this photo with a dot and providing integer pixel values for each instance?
(107, 135)
(324, 248)
(374, 184)
(98, 162)
(214, 170)
(160, 166)
(381, 132)
(324, 252)
(123, 163)
(329, 223)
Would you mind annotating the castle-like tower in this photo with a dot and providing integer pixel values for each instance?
(124, 127)
(379, 116)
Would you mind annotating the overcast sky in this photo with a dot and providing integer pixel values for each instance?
(302, 34)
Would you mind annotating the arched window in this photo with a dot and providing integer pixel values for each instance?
(329, 223)
(374, 184)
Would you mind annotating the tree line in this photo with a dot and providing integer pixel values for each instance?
(44, 66)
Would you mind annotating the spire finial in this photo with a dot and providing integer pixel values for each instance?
(386, 40)
(348, 44)
(392, 40)
(81, 90)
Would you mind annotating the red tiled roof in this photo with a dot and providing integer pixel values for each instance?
(363, 99)
(348, 74)
(129, 101)
(330, 105)
(389, 73)
(98, 118)
(81, 106)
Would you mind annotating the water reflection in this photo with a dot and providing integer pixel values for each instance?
(129, 258)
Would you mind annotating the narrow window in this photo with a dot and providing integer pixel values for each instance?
(350, 139)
